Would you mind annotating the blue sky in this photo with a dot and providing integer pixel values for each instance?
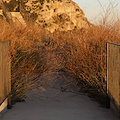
(93, 10)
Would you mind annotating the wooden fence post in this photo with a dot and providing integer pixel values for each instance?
(113, 75)
(5, 74)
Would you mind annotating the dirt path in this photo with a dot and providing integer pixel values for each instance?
(56, 104)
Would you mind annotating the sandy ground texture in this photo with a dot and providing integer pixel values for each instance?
(56, 103)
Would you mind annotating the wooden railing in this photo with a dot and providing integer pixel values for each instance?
(113, 74)
(5, 73)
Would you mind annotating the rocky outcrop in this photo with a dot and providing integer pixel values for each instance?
(55, 15)
(60, 15)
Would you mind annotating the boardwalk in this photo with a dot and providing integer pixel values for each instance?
(53, 104)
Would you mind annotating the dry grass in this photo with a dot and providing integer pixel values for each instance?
(83, 55)
(30, 56)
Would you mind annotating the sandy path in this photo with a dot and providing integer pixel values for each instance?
(56, 105)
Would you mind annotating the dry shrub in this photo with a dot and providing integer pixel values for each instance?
(30, 56)
(82, 54)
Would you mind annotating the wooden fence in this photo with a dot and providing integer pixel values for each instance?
(5, 74)
(113, 74)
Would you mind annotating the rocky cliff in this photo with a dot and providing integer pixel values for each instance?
(53, 15)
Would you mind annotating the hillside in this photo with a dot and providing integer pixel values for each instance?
(53, 15)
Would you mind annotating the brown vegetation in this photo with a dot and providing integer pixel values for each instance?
(81, 53)
(29, 57)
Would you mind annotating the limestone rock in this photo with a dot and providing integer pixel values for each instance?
(55, 15)
(60, 15)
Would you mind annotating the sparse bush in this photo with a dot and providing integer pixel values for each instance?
(33, 16)
(29, 57)
(11, 5)
(83, 55)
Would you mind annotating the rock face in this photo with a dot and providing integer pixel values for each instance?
(55, 15)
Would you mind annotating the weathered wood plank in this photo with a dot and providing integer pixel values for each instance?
(1, 75)
(113, 72)
(5, 70)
